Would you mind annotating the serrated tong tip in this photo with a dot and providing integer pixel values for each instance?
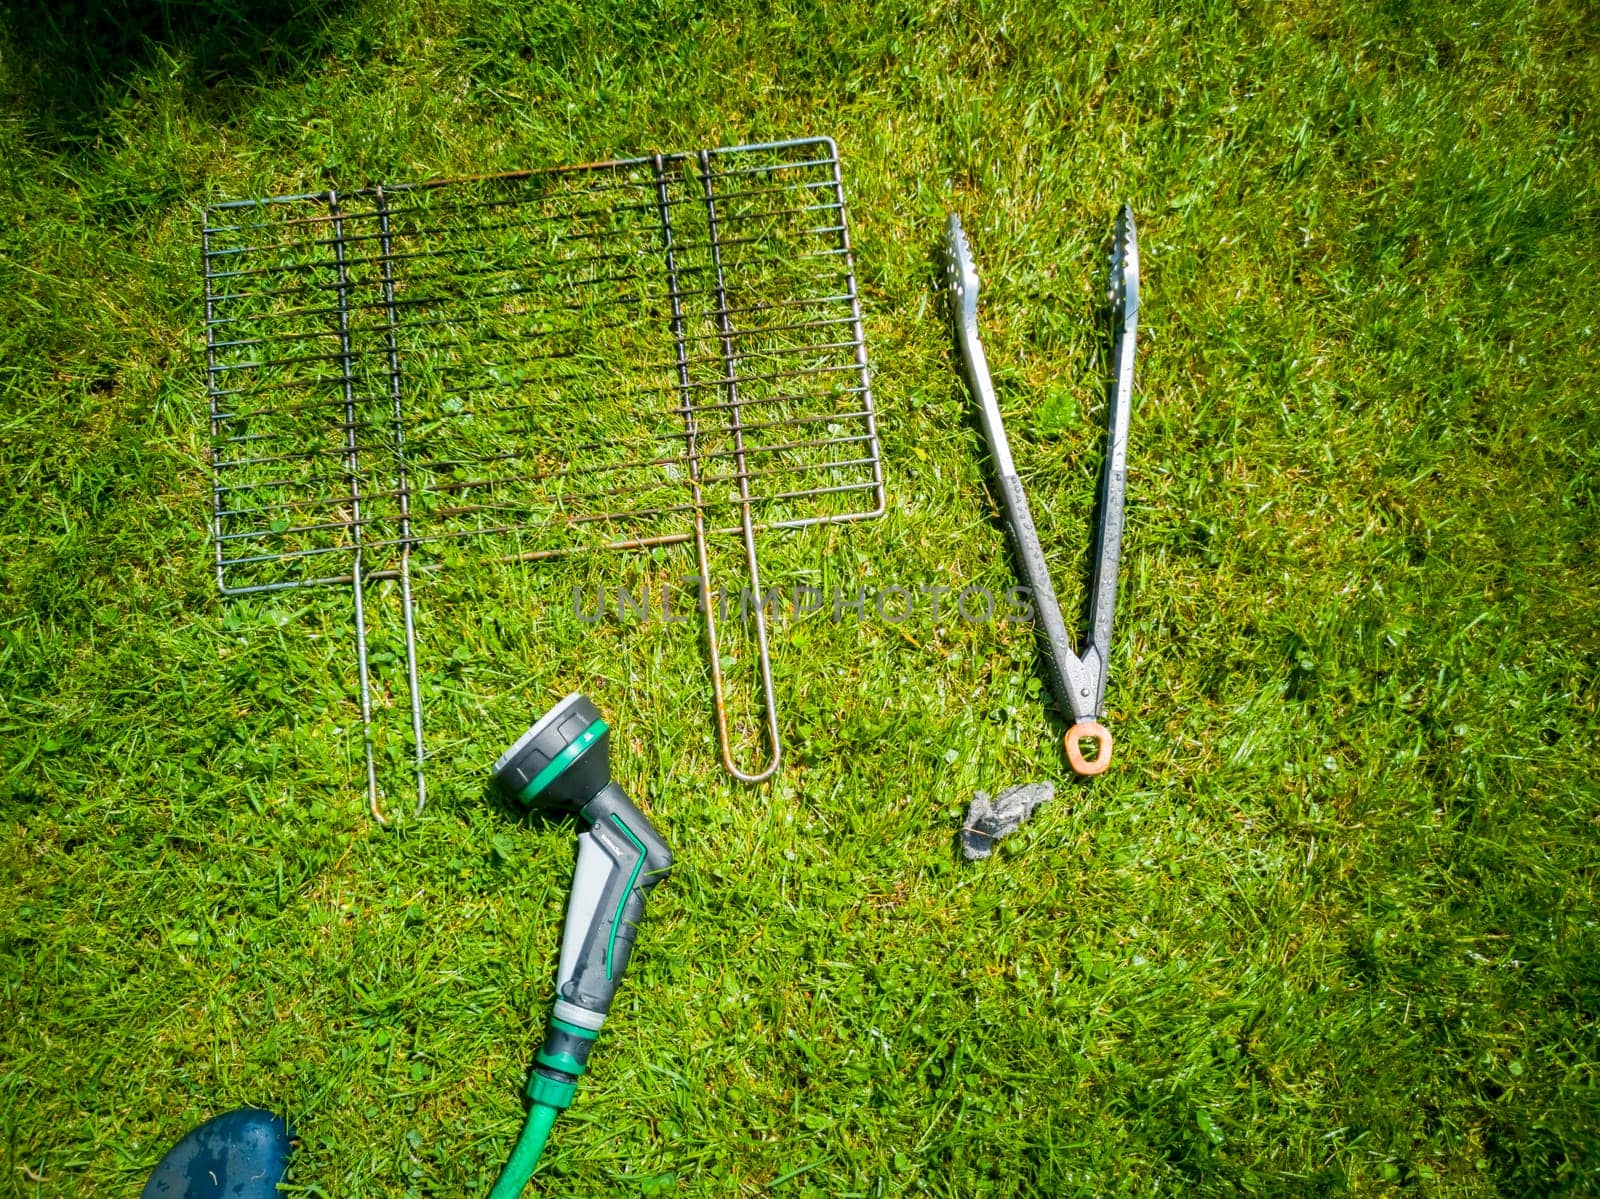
(1123, 293)
(961, 274)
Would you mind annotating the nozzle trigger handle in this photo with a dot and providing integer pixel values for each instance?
(620, 858)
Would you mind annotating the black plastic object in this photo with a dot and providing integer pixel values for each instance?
(240, 1154)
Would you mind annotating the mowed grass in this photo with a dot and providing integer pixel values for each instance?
(1328, 926)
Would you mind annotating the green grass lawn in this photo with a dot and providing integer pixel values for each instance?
(1328, 925)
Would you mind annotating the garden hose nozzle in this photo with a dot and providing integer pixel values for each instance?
(562, 764)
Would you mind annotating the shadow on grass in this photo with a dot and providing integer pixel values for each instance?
(509, 811)
(66, 66)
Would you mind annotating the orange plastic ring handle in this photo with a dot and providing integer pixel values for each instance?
(1083, 730)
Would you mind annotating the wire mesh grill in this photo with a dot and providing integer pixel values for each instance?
(615, 355)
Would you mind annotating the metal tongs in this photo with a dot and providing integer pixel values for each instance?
(1079, 683)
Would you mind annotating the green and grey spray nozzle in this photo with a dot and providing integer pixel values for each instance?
(563, 764)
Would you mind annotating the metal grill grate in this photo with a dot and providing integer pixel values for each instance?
(622, 354)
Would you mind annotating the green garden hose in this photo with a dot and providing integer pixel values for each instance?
(525, 1157)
